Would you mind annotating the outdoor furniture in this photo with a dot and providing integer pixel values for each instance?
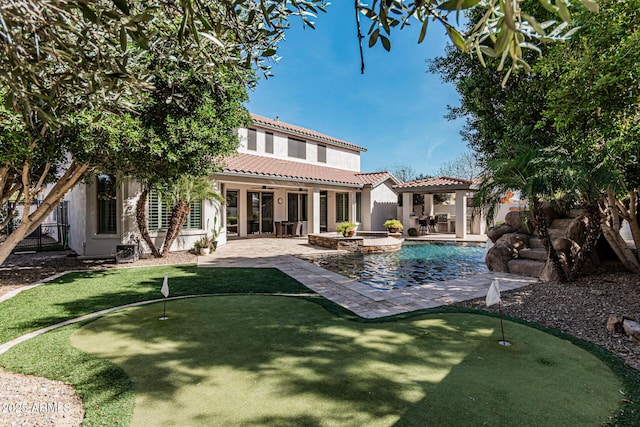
(432, 224)
(423, 226)
(279, 229)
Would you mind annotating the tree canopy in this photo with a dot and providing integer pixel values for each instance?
(579, 134)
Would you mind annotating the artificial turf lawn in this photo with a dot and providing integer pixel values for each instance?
(76, 294)
(251, 360)
(106, 389)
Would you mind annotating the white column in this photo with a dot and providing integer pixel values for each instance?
(428, 201)
(461, 214)
(352, 206)
(407, 208)
(242, 212)
(314, 211)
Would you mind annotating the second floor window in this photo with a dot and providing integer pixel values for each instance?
(268, 142)
(297, 148)
(322, 154)
(342, 207)
(160, 213)
(252, 140)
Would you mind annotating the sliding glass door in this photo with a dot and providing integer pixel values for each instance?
(259, 212)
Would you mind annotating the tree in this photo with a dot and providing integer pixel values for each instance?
(181, 193)
(582, 108)
(65, 61)
(465, 166)
(595, 105)
(63, 106)
(182, 139)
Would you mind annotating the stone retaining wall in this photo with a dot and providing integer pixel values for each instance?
(337, 242)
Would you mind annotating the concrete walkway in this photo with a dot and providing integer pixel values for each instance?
(361, 299)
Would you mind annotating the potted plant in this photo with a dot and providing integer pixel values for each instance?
(347, 229)
(203, 245)
(393, 225)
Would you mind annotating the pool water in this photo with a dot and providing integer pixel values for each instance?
(415, 264)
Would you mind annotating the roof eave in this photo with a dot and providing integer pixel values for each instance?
(289, 178)
(259, 123)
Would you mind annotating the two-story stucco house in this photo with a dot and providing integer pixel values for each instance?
(282, 174)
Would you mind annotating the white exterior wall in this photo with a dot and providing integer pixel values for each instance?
(383, 205)
(337, 157)
(83, 237)
(77, 220)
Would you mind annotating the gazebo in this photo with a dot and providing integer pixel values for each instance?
(441, 185)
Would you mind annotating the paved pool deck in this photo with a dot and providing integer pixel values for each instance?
(359, 298)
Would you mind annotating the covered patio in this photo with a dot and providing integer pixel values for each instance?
(429, 217)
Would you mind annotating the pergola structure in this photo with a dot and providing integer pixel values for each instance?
(440, 185)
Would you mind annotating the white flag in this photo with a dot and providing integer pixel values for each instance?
(165, 286)
(493, 295)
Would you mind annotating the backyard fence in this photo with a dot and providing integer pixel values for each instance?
(52, 234)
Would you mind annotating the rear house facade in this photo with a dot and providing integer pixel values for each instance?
(285, 179)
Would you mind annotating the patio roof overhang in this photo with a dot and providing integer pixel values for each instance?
(439, 185)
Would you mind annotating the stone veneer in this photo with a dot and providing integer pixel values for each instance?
(352, 244)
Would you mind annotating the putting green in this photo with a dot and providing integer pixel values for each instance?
(257, 360)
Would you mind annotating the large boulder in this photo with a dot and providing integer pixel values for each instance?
(494, 233)
(520, 221)
(498, 257)
(517, 240)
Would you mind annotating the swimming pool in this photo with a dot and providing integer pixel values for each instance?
(415, 264)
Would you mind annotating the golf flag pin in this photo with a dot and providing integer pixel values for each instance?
(165, 293)
(493, 296)
(165, 286)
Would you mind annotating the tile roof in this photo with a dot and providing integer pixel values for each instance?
(377, 178)
(272, 167)
(302, 132)
(439, 183)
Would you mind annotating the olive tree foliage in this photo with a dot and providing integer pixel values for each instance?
(84, 64)
(504, 29)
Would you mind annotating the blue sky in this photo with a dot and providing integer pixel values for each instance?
(395, 109)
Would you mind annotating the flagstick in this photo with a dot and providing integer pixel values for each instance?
(164, 311)
(165, 293)
(503, 342)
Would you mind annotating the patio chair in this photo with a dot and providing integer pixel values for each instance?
(278, 228)
(432, 224)
(423, 226)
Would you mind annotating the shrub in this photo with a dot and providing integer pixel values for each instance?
(393, 223)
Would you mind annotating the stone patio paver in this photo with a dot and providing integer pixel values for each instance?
(357, 297)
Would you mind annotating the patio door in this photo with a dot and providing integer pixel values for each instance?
(259, 212)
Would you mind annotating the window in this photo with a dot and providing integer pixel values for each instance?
(252, 142)
(268, 142)
(342, 207)
(297, 148)
(160, 213)
(232, 212)
(322, 154)
(358, 206)
(107, 218)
